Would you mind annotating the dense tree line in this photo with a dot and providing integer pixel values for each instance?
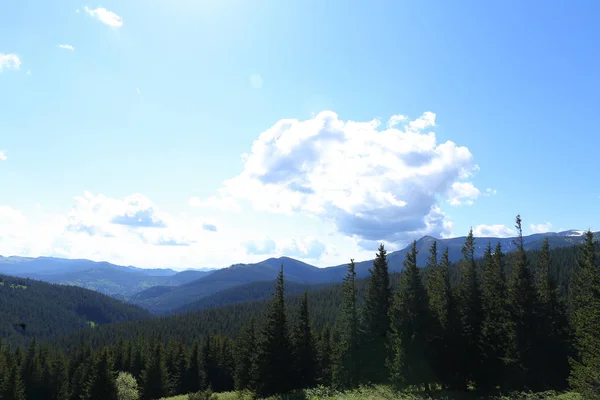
(501, 323)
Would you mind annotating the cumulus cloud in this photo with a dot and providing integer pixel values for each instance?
(105, 16)
(3, 156)
(9, 61)
(260, 246)
(372, 183)
(499, 230)
(303, 248)
(221, 203)
(66, 47)
(541, 228)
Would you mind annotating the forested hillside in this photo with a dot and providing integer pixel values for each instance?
(522, 321)
(30, 308)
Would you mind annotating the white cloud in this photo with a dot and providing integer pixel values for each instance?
(137, 90)
(9, 61)
(66, 47)
(3, 156)
(396, 120)
(256, 81)
(309, 247)
(463, 193)
(541, 228)
(498, 230)
(222, 203)
(372, 184)
(105, 16)
(263, 246)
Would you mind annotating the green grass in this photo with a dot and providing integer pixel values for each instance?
(388, 393)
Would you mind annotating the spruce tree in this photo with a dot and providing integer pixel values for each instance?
(410, 359)
(585, 304)
(193, 376)
(305, 353)
(524, 314)
(346, 366)
(442, 308)
(376, 320)
(325, 358)
(246, 363)
(470, 313)
(12, 387)
(552, 366)
(275, 358)
(155, 377)
(495, 330)
(103, 386)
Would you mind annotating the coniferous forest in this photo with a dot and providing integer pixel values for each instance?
(515, 322)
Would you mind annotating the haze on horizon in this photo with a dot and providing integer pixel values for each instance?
(202, 134)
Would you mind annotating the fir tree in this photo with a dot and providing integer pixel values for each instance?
(305, 353)
(12, 387)
(496, 323)
(275, 358)
(443, 317)
(102, 385)
(585, 303)
(376, 320)
(410, 360)
(245, 363)
(524, 314)
(346, 367)
(325, 358)
(193, 377)
(552, 366)
(470, 313)
(155, 378)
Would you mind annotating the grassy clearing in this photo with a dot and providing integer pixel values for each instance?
(388, 393)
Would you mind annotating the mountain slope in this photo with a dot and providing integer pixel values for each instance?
(166, 300)
(48, 310)
(110, 279)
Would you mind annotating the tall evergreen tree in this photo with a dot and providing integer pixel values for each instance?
(376, 320)
(155, 378)
(325, 354)
(32, 372)
(246, 363)
(305, 353)
(103, 386)
(275, 358)
(524, 313)
(552, 365)
(444, 321)
(346, 366)
(193, 377)
(12, 387)
(470, 312)
(410, 360)
(495, 330)
(585, 304)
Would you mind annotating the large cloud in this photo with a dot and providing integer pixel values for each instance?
(372, 183)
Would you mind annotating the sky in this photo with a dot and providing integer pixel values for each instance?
(202, 133)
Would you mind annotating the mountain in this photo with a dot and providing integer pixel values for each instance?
(114, 280)
(31, 308)
(164, 300)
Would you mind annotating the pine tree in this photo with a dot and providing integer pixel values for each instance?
(585, 304)
(246, 363)
(305, 353)
(552, 366)
(275, 358)
(12, 387)
(470, 313)
(376, 320)
(102, 386)
(208, 364)
(524, 314)
(193, 376)
(495, 330)
(443, 317)
(410, 360)
(325, 358)
(32, 372)
(155, 378)
(346, 367)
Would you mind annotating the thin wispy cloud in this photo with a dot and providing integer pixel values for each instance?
(105, 16)
(3, 156)
(137, 90)
(9, 61)
(66, 47)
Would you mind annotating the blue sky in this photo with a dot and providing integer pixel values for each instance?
(126, 144)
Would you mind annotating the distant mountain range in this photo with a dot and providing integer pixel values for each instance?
(103, 277)
(165, 290)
